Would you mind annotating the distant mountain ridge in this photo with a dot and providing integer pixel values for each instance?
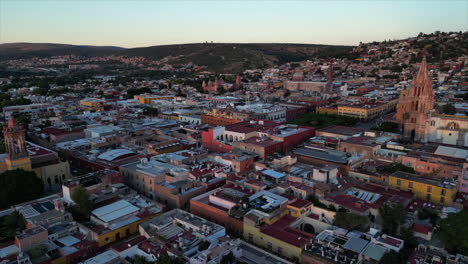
(20, 50)
(236, 56)
(215, 56)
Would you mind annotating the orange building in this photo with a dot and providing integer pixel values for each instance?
(217, 120)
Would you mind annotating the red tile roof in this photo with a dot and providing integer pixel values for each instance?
(300, 203)
(281, 231)
(423, 229)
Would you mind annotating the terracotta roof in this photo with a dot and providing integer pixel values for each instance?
(423, 229)
(281, 231)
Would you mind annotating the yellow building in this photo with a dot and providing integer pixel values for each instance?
(435, 191)
(361, 111)
(92, 104)
(367, 111)
(148, 98)
(277, 237)
(118, 220)
(328, 110)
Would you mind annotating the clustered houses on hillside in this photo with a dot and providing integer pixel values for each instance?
(303, 162)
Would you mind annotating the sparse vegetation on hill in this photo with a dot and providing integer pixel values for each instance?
(235, 57)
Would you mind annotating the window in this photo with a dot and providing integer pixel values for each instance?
(280, 250)
(428, 197)
(250, 237)
(443, 192)
(442, 199)
(398, 182)
(429, 189)
(410, 185)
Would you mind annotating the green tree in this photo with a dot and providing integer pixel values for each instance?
(386, 127)
(428, 213)
(83, 205)
(10, 224)
(449, 109)
(40, 91)
(203, 245)
(151, 111)
(23, 119)
(453, 231)
(43, 84)
(228, 259)
(394, 167)
(38, 251)
(392, 257)
(17, 186)
(393, 215)
(142, 260)
(350, 221)
(165, 259)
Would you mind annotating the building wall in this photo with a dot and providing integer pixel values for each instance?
(176, 200)
(368, 151)
(253, 235)
(54, 173)
(209, 141)
(435, 168)
(234, 226)
(109, 237)
(447, 129)
(217, 121)
(422, 190)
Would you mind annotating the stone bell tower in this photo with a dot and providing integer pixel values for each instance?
(17, 156)
(415, 106)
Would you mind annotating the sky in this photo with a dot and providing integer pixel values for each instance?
(140, 23)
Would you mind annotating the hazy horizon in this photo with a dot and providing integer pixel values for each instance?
(132, 24)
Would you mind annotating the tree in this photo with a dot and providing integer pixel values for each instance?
(394, 167)
(204, 245)
(228, 259)
(40, 91)
(350, 221)
(386, 127)
(428, 213)
(151, 111)
(449, 109)
(165, 259)
(10, 224)
(38, 251)
(141, 260)
(17, 186)
(453, 231)
(408, 236)
(83, 205)
(393, 215)
(23, 119)
(180, 93)
(392, 257)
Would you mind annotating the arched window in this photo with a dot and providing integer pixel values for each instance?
(452, 125)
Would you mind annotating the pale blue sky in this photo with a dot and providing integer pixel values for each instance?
(144, 23)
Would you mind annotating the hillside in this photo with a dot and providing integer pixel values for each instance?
(235, 57)
(28, 50)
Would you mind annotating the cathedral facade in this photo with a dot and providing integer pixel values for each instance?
(418, 119)
(416, 105)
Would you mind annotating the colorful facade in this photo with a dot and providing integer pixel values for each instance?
(436, 191)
